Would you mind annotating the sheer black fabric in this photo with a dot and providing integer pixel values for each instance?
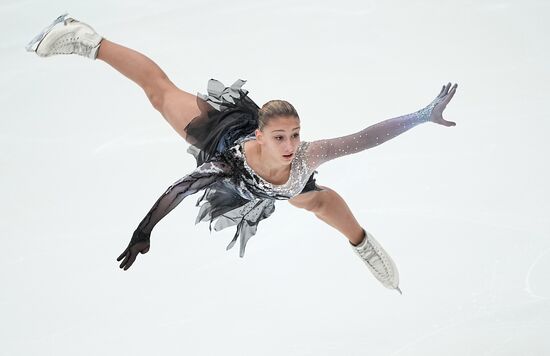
(205, 175)
(227, 113)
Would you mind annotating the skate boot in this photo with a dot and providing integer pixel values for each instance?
(71, 37)
(378, 261)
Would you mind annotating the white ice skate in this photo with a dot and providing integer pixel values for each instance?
(378, 261)
(72, 37)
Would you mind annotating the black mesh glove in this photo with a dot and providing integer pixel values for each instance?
(138, 244)
(202, 177)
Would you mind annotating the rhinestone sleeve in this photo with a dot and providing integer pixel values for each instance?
(321, 151)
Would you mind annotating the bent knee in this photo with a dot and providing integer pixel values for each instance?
(315, 205)
(315, 201)
(325, 197)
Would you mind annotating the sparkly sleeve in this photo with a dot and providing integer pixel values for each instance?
(321, 151)
(202, 177)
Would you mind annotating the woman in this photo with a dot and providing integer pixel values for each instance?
(247, 156)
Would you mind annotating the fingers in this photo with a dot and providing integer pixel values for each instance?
(130, 255)
(445, 95)
(439, 104)
(451, 93)
(440, 95)
(448, 123)
(130, 261)
(126, 258)
(122, 255)
(446, 91)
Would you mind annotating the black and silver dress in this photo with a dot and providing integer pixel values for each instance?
(233, 193)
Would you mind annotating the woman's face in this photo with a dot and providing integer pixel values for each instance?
(279, 138)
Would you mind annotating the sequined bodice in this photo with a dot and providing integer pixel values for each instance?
(299, 172)
(252, 171)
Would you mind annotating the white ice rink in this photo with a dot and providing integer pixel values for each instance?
(463, 211)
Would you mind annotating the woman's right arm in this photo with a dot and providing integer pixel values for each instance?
(202, 177)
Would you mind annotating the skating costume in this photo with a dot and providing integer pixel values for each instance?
(233, 193)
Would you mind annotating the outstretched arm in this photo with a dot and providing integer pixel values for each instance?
(325, 150)
(202, 177)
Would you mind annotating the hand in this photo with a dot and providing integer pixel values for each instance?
(439, 104)
(138, 244)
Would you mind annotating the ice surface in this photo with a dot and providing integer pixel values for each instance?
(462, 210)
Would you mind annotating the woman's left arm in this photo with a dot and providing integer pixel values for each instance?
(202, 177)
(322, 151)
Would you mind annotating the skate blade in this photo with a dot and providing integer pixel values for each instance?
(33, 44)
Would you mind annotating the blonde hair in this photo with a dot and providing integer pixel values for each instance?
(275, 108)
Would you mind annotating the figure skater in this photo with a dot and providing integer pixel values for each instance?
(247, 157)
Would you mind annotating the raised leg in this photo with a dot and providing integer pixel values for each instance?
(330, 207)
(177, 106)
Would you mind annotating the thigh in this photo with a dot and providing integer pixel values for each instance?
(180, 107)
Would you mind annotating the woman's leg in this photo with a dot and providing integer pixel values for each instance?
(330, 207)
(178, 107)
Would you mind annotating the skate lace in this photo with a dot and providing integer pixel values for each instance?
(82, 48)
(374, 259)
(72, 44)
